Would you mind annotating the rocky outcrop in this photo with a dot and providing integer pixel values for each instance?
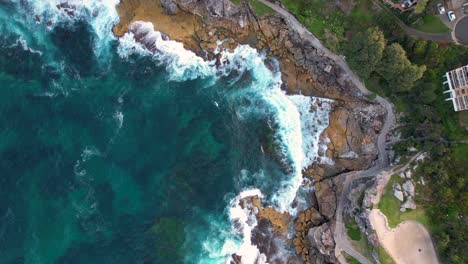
(358, 205)
(354, 121)
(322, 244)
(170, 7)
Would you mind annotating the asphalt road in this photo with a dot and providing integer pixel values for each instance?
(461, 31)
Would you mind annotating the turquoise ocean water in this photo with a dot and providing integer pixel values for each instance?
(110, 153)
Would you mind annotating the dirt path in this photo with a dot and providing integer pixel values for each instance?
(408, 243)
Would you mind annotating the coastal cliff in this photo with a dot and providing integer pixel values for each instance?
(355, 120)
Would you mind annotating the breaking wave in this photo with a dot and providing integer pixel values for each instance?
(297, 126)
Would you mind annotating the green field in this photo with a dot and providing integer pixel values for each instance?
(259, 8)
(384, 257)
(431, 24)
(353, 231)
(390, 206)
(350, 259)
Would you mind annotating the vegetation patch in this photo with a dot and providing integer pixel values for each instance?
(431, 24)
(350, 259)
(353, 231)
(259, 8)
(384, 257)
(390, 206)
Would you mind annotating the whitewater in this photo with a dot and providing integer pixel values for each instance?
(299, 127)
(296, 126)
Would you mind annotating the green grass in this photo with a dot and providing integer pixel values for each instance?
(384, 257)
(390, 206)
(463, 118)
(350, 259)
(353, 231)
(460, 152)
(363, 246)
(431, 24)
(260, 9)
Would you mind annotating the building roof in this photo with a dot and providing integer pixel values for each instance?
(458, 87)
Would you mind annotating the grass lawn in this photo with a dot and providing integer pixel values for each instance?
(259, 8)
(353, 231)
(384, 256)
(390, 206)
(350, 259)
(431, 24)
(460, 152)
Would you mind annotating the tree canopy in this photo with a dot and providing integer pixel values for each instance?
(397, 70)
(365, 51)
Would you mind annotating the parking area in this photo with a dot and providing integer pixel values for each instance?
(461, 31)
(459, 25)
(452, 5)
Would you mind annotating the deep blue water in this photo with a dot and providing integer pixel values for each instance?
(107, 159)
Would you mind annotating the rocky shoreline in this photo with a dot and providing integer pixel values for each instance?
(355, 120)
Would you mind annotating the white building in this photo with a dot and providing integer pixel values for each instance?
(457, 81)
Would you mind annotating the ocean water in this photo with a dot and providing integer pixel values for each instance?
(111, 152)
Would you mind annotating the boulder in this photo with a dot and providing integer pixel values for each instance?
(408, 174)
(326, 198)
(409, 188)
(398, 194)
(321, 238)
(409, 204)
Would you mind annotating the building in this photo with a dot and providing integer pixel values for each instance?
(457, 81)
(402, 5)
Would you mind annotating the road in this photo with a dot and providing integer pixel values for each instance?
(440, 37)
(341, 239)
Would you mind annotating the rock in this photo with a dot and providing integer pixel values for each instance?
(408, 187)
(170, 7)
(412, 149)
(409, 204)
(321, 238)
(408, 174)
(398, 194)
(326, 198)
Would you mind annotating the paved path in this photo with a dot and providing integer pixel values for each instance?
(341, 239)
(461, 30)
(305, 34)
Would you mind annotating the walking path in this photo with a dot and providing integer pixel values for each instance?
(341, 240)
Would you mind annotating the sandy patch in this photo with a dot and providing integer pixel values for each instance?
(408, 243)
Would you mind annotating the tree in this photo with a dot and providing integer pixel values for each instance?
(397, 70)
(420, 6)
(365, 51)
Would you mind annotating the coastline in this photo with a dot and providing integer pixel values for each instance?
(355, 122)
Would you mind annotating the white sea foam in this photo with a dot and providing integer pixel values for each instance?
(314, 121)
(101, 14)
(21, 41)
(297, 128)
